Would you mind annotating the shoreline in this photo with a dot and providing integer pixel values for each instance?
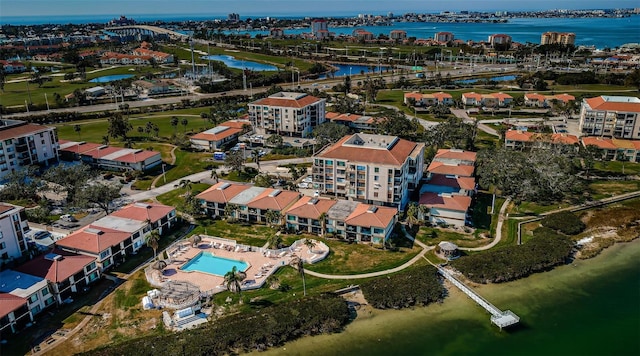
(528, 297)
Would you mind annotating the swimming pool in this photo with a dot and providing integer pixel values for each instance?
(209, 263)
(110, 78)
(232, 62)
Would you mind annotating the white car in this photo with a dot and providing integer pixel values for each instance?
(308, 179)
(303, 185)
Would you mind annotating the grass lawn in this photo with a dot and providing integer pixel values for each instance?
(602, 168)
(346, 258)
(461, 239)
(243, 176)
(188, 163)
(243, 233)
(534, 208)
(176, 196)
(603, 188)
(484, 140)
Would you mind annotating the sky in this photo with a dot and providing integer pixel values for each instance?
(285, 7)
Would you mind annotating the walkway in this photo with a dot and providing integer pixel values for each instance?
(172, 162)
(501, 218)
(498, 317)
(420, 255)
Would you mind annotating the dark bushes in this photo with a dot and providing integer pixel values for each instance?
(244, 332)
(414, 286)
(545, 250)
(564, 222)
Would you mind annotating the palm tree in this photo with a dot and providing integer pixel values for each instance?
(310, 244)
(184, 122)
(187, 185)
(152, 240)
(298, 264)
(272, 216)
(423, 211)
(323, 223)
(412, 211)
(77, 129)
(230, 210)
(255, 156)
(174, 123)
(214, 175)
(233, 278)
(274, 241)
(105, 140)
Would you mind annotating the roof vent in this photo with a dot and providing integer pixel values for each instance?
(275, 193)
(143, 205)
(313, 201)
(53, 257)
(372, 209)
(224, 186)
(94, 231)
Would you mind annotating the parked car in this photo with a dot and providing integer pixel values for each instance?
(68, 218)
(41, 235)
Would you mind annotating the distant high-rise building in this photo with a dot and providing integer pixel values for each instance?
(398, 35)
(443, 36)
(318, 25)
(499, 40)
(565, 38)
(233, 17)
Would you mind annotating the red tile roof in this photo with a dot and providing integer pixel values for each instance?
(448, 202)
(462, 155)
(222, 192)
(284, 102)
(56, 271)
(101, 152)
(600, 103)
(9, 303)
(534, 96)
(472, 95)
(144, 211)
(441, 96)
(79, 148)
(208, 136)
(310, 208)
(365, 216)
(456, 170)
(5, 207)
(236, 124)
(467, 183)
(91, 241)
(137, 157)
(564, 139)
(525, 136)
(397, 155)
(565, 97)
(22, 130)
(602, 143)
(274, 199)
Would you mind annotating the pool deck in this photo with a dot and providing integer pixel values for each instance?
(262, 262)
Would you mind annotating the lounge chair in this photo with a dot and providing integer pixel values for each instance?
(282, 254)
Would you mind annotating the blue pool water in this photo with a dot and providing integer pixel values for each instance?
(354, 69)
(232, 62)
(110, 78)
(208, 263)
(503, 78)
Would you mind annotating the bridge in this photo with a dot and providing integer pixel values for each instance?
(498, 317)
(145, 30)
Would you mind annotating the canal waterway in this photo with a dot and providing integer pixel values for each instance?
(586, 308)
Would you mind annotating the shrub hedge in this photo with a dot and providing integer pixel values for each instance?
(565, 222)
(414, 286)
(244, 332)
(545, 250)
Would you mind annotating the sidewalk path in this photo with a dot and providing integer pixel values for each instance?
(501, 218)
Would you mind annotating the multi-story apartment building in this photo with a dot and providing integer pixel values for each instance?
(14, 314)
(348, 219)
(500, 40)
(34, 289)
(615, 149)
(24, 144)
(611, 116)
(13, 224)
(287, 113)
(67, 272)
(123, 232)
(443, 37)
(398, 35)
(374, 169)
(518, 139)
(565, 38)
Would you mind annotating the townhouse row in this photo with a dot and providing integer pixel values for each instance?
(109, 157)
(348, 219)
(489, 100)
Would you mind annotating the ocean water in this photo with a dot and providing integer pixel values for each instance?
(599, 32)
(588, 308)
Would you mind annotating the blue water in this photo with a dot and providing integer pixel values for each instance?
(208, 263)
(110, 78)
(599, 32)
(232, 62)
(353, 69)
(502, 78)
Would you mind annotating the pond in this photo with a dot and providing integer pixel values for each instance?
(232, 62)
(110, 78)
(502, 78)
(353, 69)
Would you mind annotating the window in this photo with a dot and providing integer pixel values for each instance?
(91, 267)
(45, 291)
(375, 178)
(341, 164)
(361, 168)
(49, 301)
(3, 245)
(1, 235)
(376, 170)
(33, 298)
(375, 194)
(105, 254)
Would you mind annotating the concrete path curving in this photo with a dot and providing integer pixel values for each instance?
(501, 218)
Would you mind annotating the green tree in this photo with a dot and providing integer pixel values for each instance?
(184, 122)
(68, 179)
(274, 141)
(262, 180)
(21, 183)
(119, 126)
(322, 218)
(297, 263)
(272, 217)
(100, 194)
(186, 184)
(310, 244)
(412, 214)
(329, 133)
(274, 241)
(255, 157)
(153, 240)
(230, 211)
(174, 123)
(233, 280)
(234, 160)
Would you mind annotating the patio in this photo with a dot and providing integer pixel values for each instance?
(262, 262)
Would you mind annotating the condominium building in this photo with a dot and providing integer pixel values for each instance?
(23, 144)
(350, 220)
(109, 157)
(123, 232)
(615, 149)
(13, 224)
(500, 40)
(14, 314)
(565, 38)
(398, 35)
(287, 113)
(34, 289)
(443, 37)
(318, 26)
(519, 139)
(374, 169)
(611, 116)
(490, 100)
